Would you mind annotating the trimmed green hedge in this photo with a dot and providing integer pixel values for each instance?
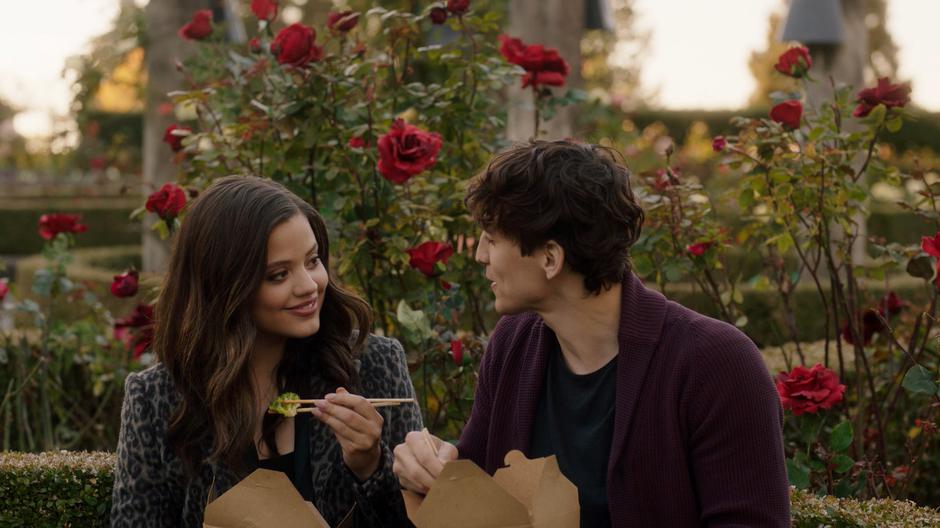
(57, 489)
(108, 225)
(765, 325)
(923, 130)
(64, 489)
(810, 511)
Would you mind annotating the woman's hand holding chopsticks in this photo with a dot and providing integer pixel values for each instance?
(357, 427)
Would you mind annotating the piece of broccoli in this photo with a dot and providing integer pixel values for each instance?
(285, 409)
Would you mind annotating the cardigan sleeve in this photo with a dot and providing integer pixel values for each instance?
(474, 437)
(735, 427)
(378, 499)
(143, 494)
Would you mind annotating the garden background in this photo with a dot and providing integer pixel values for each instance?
(808, 217)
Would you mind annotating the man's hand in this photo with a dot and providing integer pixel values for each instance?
(416, 464)
(357, 427)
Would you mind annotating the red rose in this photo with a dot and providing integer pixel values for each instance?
(438, 15)
(719, 143)
(342, 21)
(699, 248)
(458, 7)
(136, 330)
(931, 245)
(787, 113)
(199, 28)
(890, 95)
(51, 225)
(794, 62)
(871, 325)
(4, 289)
(254, 45)
(264, 9)
(664, 179)
(175, 140)
(125, 284)
(456, 352)
(357, 142)
(296, 45)
(891, 304)
(167, 202)
(806, 390)
(543, 66)
(407, 150)
(429, 257)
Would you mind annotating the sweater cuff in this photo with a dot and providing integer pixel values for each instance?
(380, 482)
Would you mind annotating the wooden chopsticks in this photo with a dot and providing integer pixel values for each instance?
(376, 402)
(430, 442)
(395, 401)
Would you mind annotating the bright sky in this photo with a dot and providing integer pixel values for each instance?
(697, 57)
(699, 50)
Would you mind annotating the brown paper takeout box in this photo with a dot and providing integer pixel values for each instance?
(525, 494)
(265, 499)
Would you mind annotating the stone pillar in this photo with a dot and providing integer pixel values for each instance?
(164, 48)
(554, 23)
(845, 64)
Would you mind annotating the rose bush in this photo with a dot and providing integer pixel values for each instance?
(380, 127)
(63, 373)
(802, 181)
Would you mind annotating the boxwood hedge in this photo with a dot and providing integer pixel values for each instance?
(73, 489)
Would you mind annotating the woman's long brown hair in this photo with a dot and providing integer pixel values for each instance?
(204, 332)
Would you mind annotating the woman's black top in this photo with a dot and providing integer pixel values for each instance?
(296, 464)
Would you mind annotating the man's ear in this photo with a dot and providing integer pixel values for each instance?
(553, 259)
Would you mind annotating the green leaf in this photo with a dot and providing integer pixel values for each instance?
(643, 265)
(415, 321)
(842, 463)
(919, 380)
(797, 474)
(921, 267)
(841, 437)
(672, 272)
(894, 124)
(42, 282)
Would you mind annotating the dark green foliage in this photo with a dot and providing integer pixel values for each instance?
(106, 227)
(57, 489)
(62, 489)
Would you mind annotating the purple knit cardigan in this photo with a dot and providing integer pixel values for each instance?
(697, 427)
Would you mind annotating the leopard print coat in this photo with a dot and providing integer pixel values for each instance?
(151, 490)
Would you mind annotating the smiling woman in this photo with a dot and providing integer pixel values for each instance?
(247, 311)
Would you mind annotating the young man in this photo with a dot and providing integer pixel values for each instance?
(659, 415)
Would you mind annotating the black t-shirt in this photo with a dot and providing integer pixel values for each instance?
(296, 464)
(575, 422)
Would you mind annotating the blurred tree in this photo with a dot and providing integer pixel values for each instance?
(611, 60)
(13, 152)
(882, 57)
(108, 87)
